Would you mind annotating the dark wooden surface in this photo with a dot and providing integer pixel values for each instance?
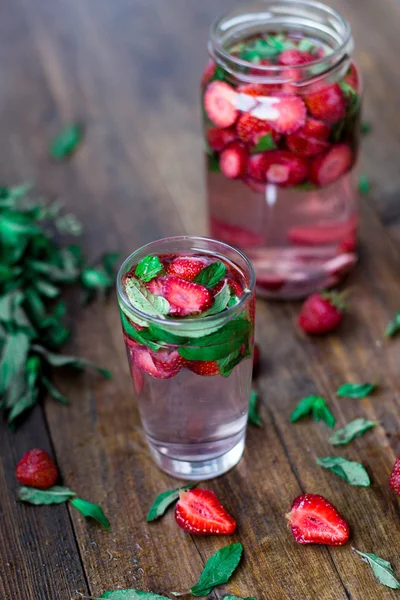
(130, 70)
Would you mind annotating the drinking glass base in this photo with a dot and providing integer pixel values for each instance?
(198, 470)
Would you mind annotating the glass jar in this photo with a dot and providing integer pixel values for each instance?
(192, 375)
(281, 101)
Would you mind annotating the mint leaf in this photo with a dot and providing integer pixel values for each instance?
(142, 299)
(351, 471)
(148, 268)
(355, 390)
(265, 48)
(63, 360)
(236, 598)
(306, 45)
(363, 184)
(218, 569)
(351, 431)
(164, 500)
(94, 278)
(227, 364)
(264, 143)
(131, 594)
(53, 391)
(303, 408)
(220, 344)
(24, 403)
(233, 301)
(66, 142)
(393, 326)
(221, 300)
(211, 275)
(320, 411)
(254, 417)
(365, 127)
(13, 357)
(92, 511)
(382, 569)
(54, 495)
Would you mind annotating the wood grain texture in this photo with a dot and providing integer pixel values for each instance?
(130, 70)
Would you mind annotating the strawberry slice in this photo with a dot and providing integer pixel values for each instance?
(218, 104)
(352, 77)
(233, 284)
(145, 361)
(316, 235)
(327, 103)
(257, 167)
(315, 129)
(284, 168)
(208, 73)
(186, 267)
(293, 57)
(238, 236)
(200, 512)
(260, 89)
(205, 368)
(394, 481)
(233, 160)
(186, 298)
(137, 377)
(314, 520)
(157, 286)
(328, 167)
(290, 114)
(218, 138)
(250, 129)
(305, 146)
(168, 360)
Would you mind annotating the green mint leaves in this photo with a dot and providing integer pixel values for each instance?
(221, 301)
(66, 142)
(130, 594)
(317, 407)
(264, 143)
(365, 127)
(164, 501)
(218, 569)
(382, 569)
(352, 472)
(393, 326)
(356, 390)
(54, 495)
(364, 185)
(212, 274)
(92, 511)
(351, 431)
(142, 299)
(58, 495)
(254, 417)
(220, 344)
(268, 48)
(148, 268)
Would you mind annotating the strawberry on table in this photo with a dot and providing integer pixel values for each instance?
(200, 512)
(218, 104)
(321, 313)
(327, 103)
(233, 160)
(186, 298)
(37, 469)
(186, 267)
(394, 480)
(314, 520)
(328, 167)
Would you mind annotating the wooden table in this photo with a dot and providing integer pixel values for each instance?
(130, 70)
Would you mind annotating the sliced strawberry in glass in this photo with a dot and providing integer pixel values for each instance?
(327, 103)
(315, 235)
(186, 298)
(290, 114)
(328, 167)
(233, 160)
(235, 235)
(250, 129)
(218, 138)
(186, 267)
(219, 104)
(144, 360)
(294, 56)
(284, 168)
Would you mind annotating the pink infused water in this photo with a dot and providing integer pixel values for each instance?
(191, 358)
(281, 108)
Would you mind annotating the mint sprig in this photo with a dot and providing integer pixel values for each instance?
(148, 268)
(317, 407)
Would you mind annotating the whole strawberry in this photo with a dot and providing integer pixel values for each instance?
(321, 313)
(37, 469)
(394, 480)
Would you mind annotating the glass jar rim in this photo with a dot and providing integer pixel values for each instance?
(203, 322)
(337, 52)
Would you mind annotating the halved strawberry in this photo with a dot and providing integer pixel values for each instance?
(157, 286)
(233, 234)
(218, 104)
(294, 56)
(352, 77)
(394, 481)
(233, 284)
(305, 146)
(233, 160)
(315, 129)
(137, 376)
(314, 520)
(327, 103)
(328, 167)
(250, 129)
(200, 512)
(284, 168)
(186, 267)
(186, 298)
(144, 360)
(205, 368)
(290, 114)
(208, 73)
(316, 235)
(218, 138)
(260, 89)
(168, 360)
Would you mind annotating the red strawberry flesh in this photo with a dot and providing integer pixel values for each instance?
(37, 469)
(200, 512)
(328, 167)
(145, 360)
(186, 267)
(314, 520)
(218, 104)
(291, 114)
(293, 57)
(394, 480)
(233, 160)
(186, 298)
(327, 103)
(205, 368)
(218, 138)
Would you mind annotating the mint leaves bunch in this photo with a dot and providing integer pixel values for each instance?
(34, 271)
